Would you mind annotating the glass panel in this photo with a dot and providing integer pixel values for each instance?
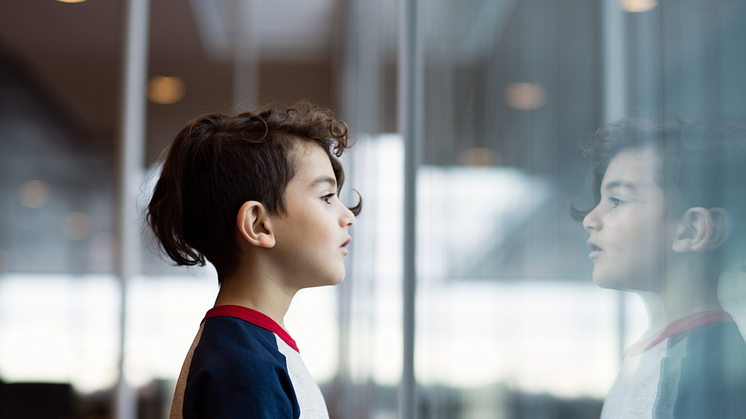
(510, 323)
(509, 320)
(370, 296)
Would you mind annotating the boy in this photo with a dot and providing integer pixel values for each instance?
(668, 219)
(257, 196)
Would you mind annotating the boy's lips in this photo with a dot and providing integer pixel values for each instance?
(595, 250)
(344, 245)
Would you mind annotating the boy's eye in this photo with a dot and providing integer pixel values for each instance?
(615, 202)
(327, 197)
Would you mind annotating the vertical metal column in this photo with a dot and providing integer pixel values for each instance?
(410, 126)
(361, 99)
(614, 61)
(615, 107)
(131, 146)
(245, 54)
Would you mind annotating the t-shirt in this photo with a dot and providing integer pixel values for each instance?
(694, 368)
(242, 364)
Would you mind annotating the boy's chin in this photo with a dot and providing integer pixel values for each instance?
(330, 281)
(605, 285)
(335, 281)
(621, 284)
(607, 282)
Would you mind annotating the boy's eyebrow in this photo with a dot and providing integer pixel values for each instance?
(323, 179)
(620, 184)
(628, 185)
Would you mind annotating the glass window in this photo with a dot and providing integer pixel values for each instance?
(509, 322)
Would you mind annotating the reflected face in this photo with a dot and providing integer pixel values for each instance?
(628, 228)
(312, 236)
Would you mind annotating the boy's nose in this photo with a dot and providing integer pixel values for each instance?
(347, 219)
(590, 221)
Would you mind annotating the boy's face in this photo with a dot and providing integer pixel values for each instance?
(629, 234)
(311, 237)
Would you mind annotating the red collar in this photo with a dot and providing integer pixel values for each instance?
(253, 317)
(678, 326)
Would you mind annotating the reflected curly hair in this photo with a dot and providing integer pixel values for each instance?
(697, 159)
(701, 164)
(218, 162)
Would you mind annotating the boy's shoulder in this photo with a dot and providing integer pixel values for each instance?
(696, 372)
(711, 373)
(234, 343)
(238, 366)
(239, 329)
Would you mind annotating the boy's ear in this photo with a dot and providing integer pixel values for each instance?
(255, 224)
(702, 230)
(723, 226)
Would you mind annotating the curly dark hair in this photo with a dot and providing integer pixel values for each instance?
(218, 162)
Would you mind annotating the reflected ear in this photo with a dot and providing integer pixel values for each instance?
(255, 224)
(702, 230)
(723, 226)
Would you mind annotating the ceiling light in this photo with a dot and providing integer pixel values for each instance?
(525, 96)
(166, 90)
(102, 247)
(77, 226)
(638, 6)
(478, 157)
(71, 1)
(34, 194)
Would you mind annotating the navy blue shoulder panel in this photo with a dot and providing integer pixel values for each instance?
(713, 375)
(238, 372)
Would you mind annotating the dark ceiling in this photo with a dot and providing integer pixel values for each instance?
(73, 54)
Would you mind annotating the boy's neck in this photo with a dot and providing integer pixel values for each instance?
(679, 300)
(663, 310)
(257, 292)
(690, 286)
(679, 304)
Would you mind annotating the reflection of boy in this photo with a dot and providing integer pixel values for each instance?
(256, 195)
(665, 192)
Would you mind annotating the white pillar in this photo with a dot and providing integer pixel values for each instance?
(615, 61)
(131, 150)
(615, 87)
(245, 54)
(410, 127)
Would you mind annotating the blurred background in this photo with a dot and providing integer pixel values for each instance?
(468, 291)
